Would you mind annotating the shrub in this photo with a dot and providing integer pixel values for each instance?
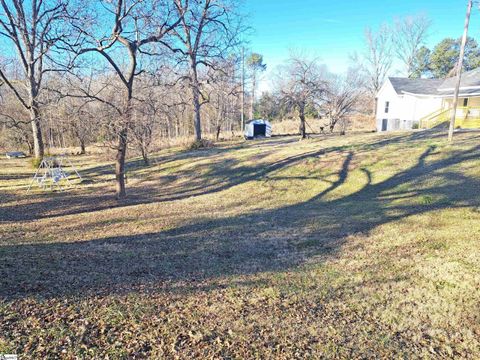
(35, 162)
(200, 144)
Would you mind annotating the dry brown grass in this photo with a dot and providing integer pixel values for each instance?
(361, 246)
(355, 123)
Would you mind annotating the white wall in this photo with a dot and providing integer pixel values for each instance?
(404, 110)
(416, 107)
(388, 93)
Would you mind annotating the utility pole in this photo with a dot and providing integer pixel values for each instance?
(243, 90)
(459, 72)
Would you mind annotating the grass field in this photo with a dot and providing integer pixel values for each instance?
(362, 246)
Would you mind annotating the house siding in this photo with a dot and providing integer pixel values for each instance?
(405, 110)
(388, 93)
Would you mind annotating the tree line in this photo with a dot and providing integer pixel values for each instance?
(404, 42)
(303, 87)
(126, 72)
(441, 60)
(114, 68)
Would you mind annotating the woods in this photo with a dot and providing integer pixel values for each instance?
(114, 70)
(37, 33)
(128, 75)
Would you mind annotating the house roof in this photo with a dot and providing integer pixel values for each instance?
(470, 84)
(416, 86)
(469, 79)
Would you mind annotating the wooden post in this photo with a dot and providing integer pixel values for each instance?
(459, 71)
(243, 92)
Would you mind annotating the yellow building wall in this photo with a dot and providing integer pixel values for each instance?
(473, 102)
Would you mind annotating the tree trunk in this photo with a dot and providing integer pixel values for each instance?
(242, 97)
(196, 116)
(38, 146)
(197, 121)
(303, 130)
(333, 122)
(252, 103)
(167, 130)
(146, 161)
(343, 123)
(82, 147)
(219, 128)
(123, 140)
(29, 144)
(120, 163)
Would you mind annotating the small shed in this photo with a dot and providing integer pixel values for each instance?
(257, 128)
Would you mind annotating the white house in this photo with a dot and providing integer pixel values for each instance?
(404, 103)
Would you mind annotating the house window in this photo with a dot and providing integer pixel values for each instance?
(387, 106)
(465, 102)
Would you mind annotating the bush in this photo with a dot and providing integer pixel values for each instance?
(35, 162)
(200, 144)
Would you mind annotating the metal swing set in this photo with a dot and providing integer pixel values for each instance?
(51, 173)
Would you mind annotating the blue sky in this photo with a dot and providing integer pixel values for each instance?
(332, 30)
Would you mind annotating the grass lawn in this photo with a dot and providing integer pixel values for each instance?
(362, 246)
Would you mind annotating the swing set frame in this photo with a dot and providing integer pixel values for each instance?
(51, 173)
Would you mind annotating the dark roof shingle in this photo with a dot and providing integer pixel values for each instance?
(437, 86)
(416, 86)
(469, 78)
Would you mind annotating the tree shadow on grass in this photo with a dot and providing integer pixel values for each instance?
(209, 250)
(205, 178)
(220, 173)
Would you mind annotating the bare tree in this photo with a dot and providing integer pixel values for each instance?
(16, 123)
(223, 109)
(301, 83)
(149, 114)
(376, 60)
(255, 65)
(341, 97)
(136, 26)
(142, 131)
(36, 29)
(79, 118)
(409, 35)
(210, 28)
